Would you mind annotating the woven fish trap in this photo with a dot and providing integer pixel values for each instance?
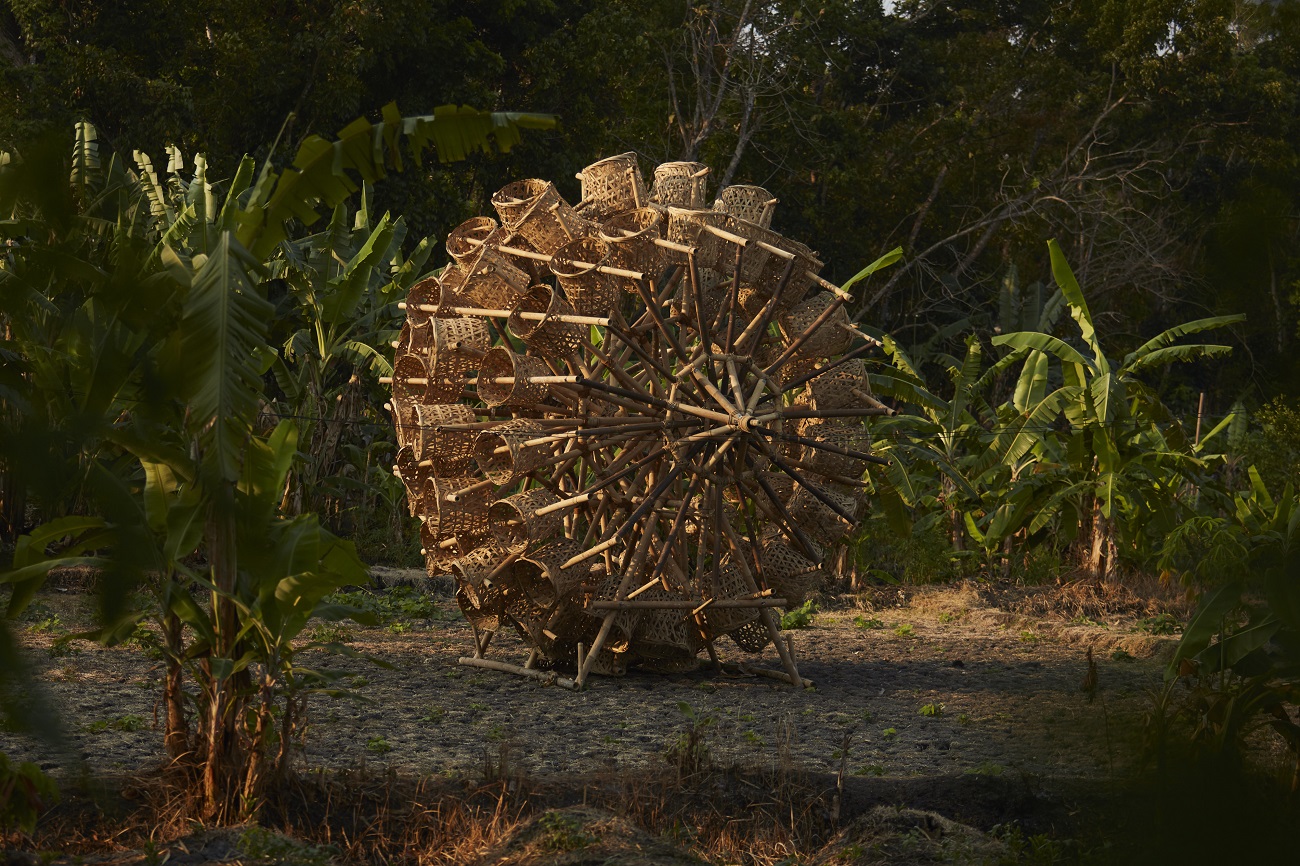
(412, 475)
(665, 635)
(751, 203)
(752, 637)
(834, 389)
(842, 433)
(482, 607)
(454, 350)
(730, 583)
(406, 424)
(831, 338)
(411, 380)
(789, 574)
(516, 524)
(535, 209)
(763, 269)
(506, 466)
(441, 292)
(680, 184)
(548, 337)
(439, 551)
(688, 227)
(611, 186)
(450, 451)
(464, 241)
(494, 281)
(474, 568)
(466, 516)
(549, 560)
(821, 521)
(631, 236)
(502, 364)
(575, 264)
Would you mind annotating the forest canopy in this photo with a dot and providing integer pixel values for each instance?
(1156, 139)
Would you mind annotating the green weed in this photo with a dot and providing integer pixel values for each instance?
(866, 624)
(800, 617)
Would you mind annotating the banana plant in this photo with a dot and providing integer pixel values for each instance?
(167, 287)
(1121, 450)
(341, 291)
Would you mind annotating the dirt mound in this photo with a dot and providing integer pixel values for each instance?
(910, 837)
(582, 836)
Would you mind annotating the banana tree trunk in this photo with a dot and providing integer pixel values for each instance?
(177, 736)
(224, 709)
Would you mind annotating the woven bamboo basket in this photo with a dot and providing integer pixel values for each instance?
(631, 237)
(590, 292)
(494, 282)
(680, 184)
(550, 338)
(516, 523)
(536, 210)
(751, 203)
(517, 460)
(831, 338)
(465, 240)
(611, 186)
(501, 363)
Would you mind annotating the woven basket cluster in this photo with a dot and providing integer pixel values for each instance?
(628, 425)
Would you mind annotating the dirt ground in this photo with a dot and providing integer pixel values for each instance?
(928, 682)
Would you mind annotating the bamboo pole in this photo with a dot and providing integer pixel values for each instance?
(505, 314)
(548, 677)
(692, 605)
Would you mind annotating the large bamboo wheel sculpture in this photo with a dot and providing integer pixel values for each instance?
(632, 426)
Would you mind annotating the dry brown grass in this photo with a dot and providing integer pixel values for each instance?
(731, 816)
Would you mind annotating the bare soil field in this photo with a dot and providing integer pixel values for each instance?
(934, 682)
(945, 724)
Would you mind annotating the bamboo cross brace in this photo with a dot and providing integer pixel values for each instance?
(846, 412)
(481, 312)
(542, 257)
(686, 604)
(697, 296)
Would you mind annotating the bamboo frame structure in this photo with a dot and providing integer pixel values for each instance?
(631, 427)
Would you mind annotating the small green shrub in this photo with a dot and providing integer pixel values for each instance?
(867, 624)
(379, 745)
(800, 617)
(1164, 623)
(332, 632)
(563, 832)
(889, 733)
(125, 724)
(930, 710)
(905, 630)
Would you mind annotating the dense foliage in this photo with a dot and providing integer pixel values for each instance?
(1157, 139)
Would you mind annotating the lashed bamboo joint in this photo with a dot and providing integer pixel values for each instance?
(631, 427)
